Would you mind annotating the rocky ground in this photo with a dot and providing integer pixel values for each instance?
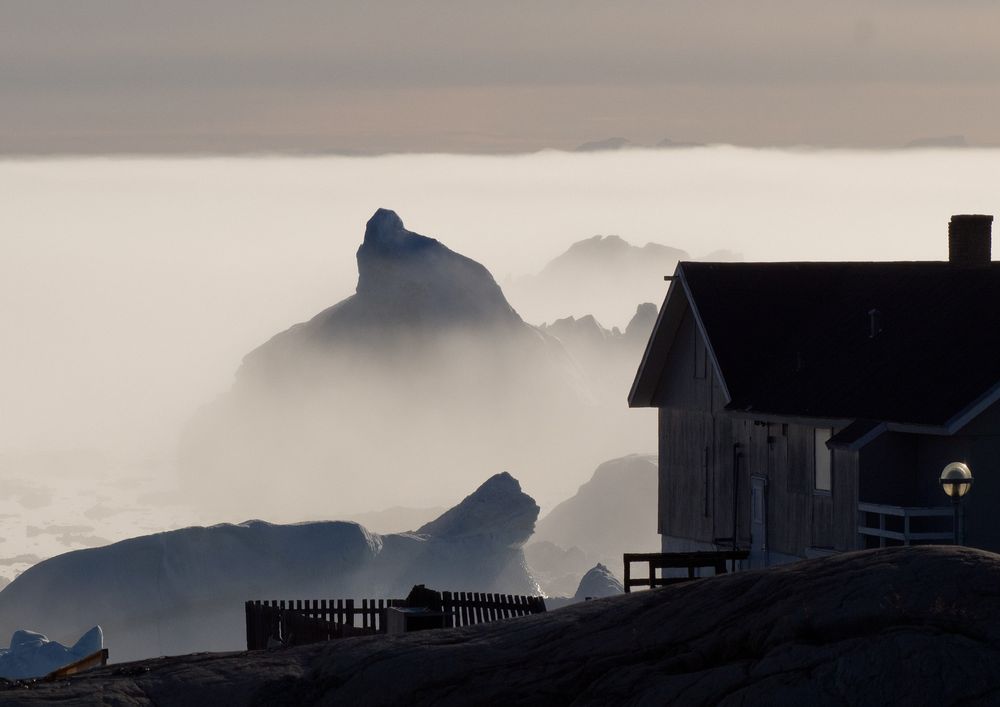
(904, 625)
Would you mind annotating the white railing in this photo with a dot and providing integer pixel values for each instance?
(905, 535)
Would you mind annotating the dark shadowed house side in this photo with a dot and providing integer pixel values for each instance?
(809, 408)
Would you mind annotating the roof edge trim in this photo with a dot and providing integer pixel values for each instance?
(863, 440)
(973, 409)
(704, 334)
(791, 419)
(641, 393)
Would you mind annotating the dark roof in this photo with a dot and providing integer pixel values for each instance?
(856, 434)
(794, 338)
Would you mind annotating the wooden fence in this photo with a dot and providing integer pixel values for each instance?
(468, 608)
(302, 621)
(298, 622)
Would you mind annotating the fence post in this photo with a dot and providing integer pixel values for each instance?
(246, 610)
(448, 606)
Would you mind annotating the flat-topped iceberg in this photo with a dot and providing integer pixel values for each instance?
(184, 590)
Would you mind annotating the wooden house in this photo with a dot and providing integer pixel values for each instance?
(809, 408)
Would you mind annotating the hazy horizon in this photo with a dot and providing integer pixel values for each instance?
(134, 287)
(240, 249)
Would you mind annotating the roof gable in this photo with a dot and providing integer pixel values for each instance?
(794, 338)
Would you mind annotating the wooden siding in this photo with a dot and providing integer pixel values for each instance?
(790, 490)
(845, 501)
(685, 443)
(700, 467)
(680, 387)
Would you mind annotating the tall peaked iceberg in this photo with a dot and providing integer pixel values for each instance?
(424, 376)
(417, 302)
(416, 279)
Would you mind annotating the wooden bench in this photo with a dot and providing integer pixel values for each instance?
(677, 560)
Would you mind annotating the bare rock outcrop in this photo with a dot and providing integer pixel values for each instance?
(915, 626)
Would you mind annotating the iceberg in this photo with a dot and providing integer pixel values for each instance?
(33, 655)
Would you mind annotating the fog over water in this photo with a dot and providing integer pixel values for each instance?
(132, 288)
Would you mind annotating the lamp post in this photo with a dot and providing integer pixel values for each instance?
(956, 480)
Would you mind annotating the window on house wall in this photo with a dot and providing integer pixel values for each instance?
(824, 460)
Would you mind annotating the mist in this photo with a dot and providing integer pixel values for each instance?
(133, 288)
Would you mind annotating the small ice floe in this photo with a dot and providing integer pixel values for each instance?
(33, 655)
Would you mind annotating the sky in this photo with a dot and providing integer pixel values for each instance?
(235, 76)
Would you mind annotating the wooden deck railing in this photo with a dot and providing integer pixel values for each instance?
(299, 622)
(690, 561)
(896, 523)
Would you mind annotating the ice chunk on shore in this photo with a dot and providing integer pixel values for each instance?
(33, 655)
(598, 582)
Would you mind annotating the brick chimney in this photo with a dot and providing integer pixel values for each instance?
(969, 237)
